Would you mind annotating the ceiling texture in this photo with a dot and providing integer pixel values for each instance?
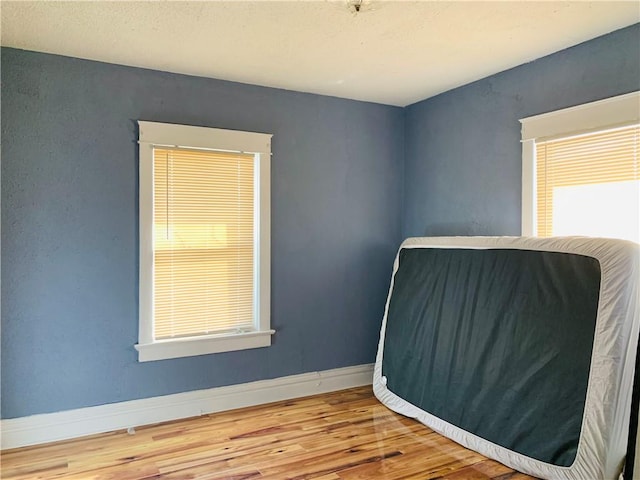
(390, 52)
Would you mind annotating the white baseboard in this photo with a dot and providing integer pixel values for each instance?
(50, 427)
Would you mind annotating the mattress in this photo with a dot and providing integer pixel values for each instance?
(522, 349)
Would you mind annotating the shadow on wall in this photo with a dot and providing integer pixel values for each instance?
(460, 229)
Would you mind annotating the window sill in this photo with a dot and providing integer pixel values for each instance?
(190, 347)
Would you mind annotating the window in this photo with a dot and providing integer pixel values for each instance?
(204, 241)
(581, 170)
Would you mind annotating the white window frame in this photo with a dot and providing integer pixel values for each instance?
(608, 113)
(259, 144)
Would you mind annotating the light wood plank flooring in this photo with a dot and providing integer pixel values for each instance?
(345, 435)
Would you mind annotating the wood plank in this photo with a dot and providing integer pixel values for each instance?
(345, 435)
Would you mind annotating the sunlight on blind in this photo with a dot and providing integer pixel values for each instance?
(203, 242)
(590, 185)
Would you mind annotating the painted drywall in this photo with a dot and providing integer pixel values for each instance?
(70, 241)
(463, 153)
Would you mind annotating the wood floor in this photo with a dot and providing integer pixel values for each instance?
(344, 435)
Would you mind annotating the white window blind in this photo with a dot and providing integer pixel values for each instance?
(580, 170)
(203, 242)
(589, 184)
(205, 252)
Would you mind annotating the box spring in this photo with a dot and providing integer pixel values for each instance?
(522, 349)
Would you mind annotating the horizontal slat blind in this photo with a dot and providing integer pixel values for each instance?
(596, 158)
(203, 242)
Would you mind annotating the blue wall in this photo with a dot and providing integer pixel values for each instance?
(69, 209)
(69, 228)
(463, 153)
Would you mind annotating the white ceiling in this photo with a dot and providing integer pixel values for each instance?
(391, 52)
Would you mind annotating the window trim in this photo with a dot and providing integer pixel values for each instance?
(611, 112)
(153, 134)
